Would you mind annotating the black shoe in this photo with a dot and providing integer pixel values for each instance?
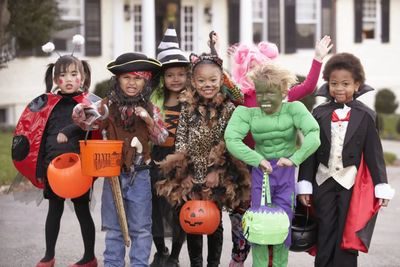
(171, 262)
(160, 258)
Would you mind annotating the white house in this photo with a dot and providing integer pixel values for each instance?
(368, 28)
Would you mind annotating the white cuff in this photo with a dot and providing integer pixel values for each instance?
(304, 187)
(384, 191)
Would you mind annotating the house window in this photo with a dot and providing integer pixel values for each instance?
(71, 14)
(370, 19)
(137, 27)
(307, 23)
(187, 28)
(259, 20)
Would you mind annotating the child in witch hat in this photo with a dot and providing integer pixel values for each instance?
(174, 79)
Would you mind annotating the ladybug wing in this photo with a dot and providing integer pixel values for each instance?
(28, 135)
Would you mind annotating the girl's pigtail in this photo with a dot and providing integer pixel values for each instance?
(87, 73)
(48, 78)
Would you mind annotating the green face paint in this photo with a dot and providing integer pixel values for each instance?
(269, 97)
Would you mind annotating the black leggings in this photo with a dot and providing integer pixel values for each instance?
(195, 248)
(52, 228)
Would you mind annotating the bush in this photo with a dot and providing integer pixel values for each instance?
(389, 126)
(390, 158)
(385, 101)
(379, 122)
(101, 89)
(8, 171)
(398, 126)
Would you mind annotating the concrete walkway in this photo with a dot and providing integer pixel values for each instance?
(22, 232)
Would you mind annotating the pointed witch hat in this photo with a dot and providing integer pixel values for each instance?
(168, 51)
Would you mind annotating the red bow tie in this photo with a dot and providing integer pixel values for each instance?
(335, 117)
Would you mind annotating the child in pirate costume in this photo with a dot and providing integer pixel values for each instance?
(201, 168)
(332, 174)
(43, 133)
(175, 67)
(273, 125)
(130, 115)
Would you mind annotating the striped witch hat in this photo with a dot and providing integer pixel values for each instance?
(168, 51)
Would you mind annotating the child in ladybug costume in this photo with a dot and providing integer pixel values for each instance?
(42, 134)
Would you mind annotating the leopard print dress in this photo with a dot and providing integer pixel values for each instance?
(200, 149)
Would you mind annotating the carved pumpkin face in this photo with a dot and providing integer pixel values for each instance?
(199, 217)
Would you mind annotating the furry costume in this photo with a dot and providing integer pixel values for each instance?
(200, 149)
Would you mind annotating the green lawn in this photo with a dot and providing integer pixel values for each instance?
(389, 126)
(7, 170)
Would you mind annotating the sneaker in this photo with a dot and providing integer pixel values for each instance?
(171, 262)
(160, 258)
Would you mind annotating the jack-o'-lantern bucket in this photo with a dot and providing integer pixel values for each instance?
(66, 178)
(101, 158)
(200, 217)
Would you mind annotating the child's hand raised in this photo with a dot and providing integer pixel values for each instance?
(322, 48)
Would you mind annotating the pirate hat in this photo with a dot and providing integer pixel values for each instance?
(129, 62)
(169, 53)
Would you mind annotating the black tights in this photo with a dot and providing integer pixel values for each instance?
(195, 248)
(82, 211)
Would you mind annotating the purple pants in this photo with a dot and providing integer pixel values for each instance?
(282, 188)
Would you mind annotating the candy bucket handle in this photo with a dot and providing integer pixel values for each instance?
(265, 192)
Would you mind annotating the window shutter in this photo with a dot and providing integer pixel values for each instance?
(290, 26)
(385, 20)
(273, 23)
(234, 21)
(327, 18)
(358, 12)
(92, 28)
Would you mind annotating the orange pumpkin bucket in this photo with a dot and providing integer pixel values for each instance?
(101, 158)
(66, 178)
(199, 217)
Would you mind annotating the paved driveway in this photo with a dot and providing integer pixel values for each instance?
(22, 232)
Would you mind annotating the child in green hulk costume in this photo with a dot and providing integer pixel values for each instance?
(274, 126)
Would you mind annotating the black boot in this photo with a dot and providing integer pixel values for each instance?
(172, 262)
(160, 258)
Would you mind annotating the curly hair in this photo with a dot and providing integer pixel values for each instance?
(273, 74)
(345, 61)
